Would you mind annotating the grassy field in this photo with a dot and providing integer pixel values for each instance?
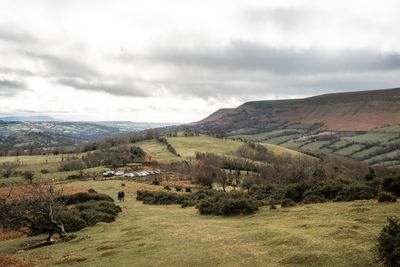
(188, 146)
(50, 163)
(349, 150)
(373, 137)
(158, 151)
(370, 146)
(282, 139)
(145, 235)
(32, 160)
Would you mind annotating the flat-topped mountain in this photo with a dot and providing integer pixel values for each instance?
(353, 111)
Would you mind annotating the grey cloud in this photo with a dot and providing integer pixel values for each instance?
(136, 89)
(285, 18)
(20, 72)
(63, 66)
(10, 34)
(252, 56)
(10, 88)
(246, 70)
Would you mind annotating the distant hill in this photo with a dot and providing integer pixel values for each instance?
(354, 111)
(133, 126)
(15, 134)
(28, 118)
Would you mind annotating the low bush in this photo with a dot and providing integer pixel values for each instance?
(287, 202)
(84, 197)
(73, 177)
(355, 192)
(72, 164)
(392, 185)
(178, 188)
(228, 204)
(208, 201)
(167, 188)
(160, 198)
(388, 247)
(155, 182)
(386, 197)
(188, 190)
(87, 210)
(72, 220)
(313, 199)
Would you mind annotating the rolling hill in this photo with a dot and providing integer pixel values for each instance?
(21, 135)
(354, 111)
(362, 125)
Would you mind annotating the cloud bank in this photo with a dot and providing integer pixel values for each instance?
(181, 60)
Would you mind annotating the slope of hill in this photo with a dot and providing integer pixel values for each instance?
(354, 111)
(187, 147)
(362, 125)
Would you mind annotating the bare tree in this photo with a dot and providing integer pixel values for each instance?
(34, 210)
(8, 168)
(28, 175)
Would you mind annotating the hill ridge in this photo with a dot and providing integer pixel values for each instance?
(345, 111)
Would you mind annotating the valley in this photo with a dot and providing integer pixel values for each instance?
(224, 195)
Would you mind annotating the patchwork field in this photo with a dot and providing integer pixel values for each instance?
(380, 146)
(145, 235)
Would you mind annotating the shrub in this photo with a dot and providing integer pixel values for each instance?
(92, 191)
(313, 199)
(100, 211)
(386, 197)
(295, 192)
(392, 185)
(272, 206)
(73, 177)
(261, 192)
(72, 165)
(160, 198)
(287, 202)
(167, 188)
(178, 188)
(355, 192)
(388, 247)
(71, 220)
(188, 190)
(44, 171)
(326, 189)
(233, 203)
(208, 202)
(84, 197)
(155, 182)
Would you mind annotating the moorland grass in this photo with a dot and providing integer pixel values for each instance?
(327, 234)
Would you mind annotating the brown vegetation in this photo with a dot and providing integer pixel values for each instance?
(356, 111)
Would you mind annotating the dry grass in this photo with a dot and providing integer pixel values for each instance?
(328, 234)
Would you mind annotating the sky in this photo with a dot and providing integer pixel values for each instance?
(181, 60)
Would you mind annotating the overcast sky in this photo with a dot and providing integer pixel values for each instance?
(180, 60)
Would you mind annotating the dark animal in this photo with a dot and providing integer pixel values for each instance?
(121, 196)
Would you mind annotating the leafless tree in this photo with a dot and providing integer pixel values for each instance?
(33, 210)
(8, 168)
